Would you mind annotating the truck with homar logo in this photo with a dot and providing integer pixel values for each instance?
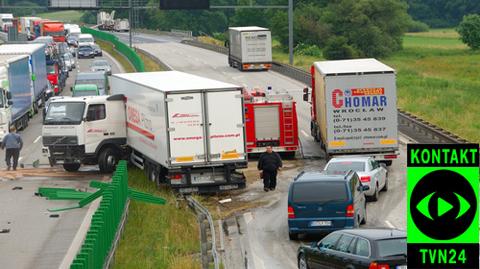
(354, 108)
(183, 130)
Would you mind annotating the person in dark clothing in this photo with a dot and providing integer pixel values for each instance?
(12, 143)
(268, 164)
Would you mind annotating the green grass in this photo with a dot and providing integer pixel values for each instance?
(150, 65)
(108, 47)
(67, 16)
(158, 236)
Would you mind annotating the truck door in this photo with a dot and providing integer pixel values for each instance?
(267, 127)
(186, 128)
(225, 126)
(96, 127)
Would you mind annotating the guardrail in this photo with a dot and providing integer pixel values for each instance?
(417, 128)
(208, 247)
(106, 225)
(121, 47)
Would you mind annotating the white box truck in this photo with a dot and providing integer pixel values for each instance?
(250, 48)
(354, 108)
(6, 20)
(183, 130)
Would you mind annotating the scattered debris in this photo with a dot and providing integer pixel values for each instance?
(4, 231)
(54, 215)
(17, 188)
(228, 200)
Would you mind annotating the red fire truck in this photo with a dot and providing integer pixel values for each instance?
(271, 120)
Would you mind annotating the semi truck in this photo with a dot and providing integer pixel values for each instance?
(182, 130)
(250, 48)
(121, 25)
(15, 93)
(354, 108)
(37, 69)
(6, 20)
(25, 23)
(105, 20)
(271, 120)
(54, 29)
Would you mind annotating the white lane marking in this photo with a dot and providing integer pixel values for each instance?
(37, 139)
(305, 133)
(389, 224)
(248, 217)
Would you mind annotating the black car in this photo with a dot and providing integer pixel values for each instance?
(356, 249)
(97, 50)
(86, 52)
(72, 40)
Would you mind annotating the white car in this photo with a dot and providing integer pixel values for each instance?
(370, 172)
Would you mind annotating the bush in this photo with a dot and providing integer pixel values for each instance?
(307, 50)
(337, 48)
(220, 36)
(469, 30)
(417, 27)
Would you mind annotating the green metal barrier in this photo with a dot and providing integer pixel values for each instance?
(121, 47)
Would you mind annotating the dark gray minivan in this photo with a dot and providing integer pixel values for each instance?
(98, 78)
(321, 202)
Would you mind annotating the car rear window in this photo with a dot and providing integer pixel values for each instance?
(343, 167)
(319, 192)
(392, 247)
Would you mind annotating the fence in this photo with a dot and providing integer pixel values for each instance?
(104, 228)
(121, 47)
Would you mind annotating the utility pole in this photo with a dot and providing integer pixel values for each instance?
(130, 19)
(290, 31)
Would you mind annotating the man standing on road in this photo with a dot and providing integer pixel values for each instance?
(268, 164)
(12, 143)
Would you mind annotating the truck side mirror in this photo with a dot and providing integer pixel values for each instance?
(226, 44)
(305, 94)
(9, 95)
(10, 102)
(71, 89)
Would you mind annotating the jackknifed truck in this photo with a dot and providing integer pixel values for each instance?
(15, 93)
(182, 130)
(250, 48)
(354, 108)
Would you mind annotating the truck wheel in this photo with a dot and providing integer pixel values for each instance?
(35, 107)
(71, 167)
(107, 160)
(388, 163)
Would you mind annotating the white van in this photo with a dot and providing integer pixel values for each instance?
(86, 38)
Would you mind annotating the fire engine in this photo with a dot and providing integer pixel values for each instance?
(271, 120)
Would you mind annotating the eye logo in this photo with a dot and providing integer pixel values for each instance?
(442, 206)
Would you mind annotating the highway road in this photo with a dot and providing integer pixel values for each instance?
(262, 232)
(35, 239)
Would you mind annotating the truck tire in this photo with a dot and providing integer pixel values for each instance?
(71, 167)
(35, 107)
(107, 160)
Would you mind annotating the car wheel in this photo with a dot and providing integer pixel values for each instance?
(71, 167)
(364, 220)
(375, 194)
(107, 160)
(385, 188)
(302, 262)
(293, 236)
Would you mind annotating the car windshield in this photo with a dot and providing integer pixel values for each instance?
(344, 166)
(98, 82)
(100, 63)
(392, 247)
(84, 93)
(50, 69)
(86, 40)
(65, 113)
(85, 48)
(319, 192)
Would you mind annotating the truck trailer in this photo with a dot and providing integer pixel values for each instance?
(121, 25)
(271, 120)
(354, 108)
(15, 93)
(250, 48)
(38, 69)
(182, 130)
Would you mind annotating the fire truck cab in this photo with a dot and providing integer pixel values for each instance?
(271, 120)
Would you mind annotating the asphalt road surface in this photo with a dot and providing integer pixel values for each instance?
(262, 237)
(34, 238)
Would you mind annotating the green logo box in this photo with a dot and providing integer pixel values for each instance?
(442, 205)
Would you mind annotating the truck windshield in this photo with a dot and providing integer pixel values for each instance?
(99, 82)
(51, 69)
(59, 33)
(84, 93)
(64, 113)
(6, 20)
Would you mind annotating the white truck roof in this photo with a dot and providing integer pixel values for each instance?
(248, 28)
(174, 81)
(356, 66)
(11, 57)
(20, 48)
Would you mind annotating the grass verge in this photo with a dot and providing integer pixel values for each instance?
(150, 65)
(108, 47)
(156, 236)
(67, 16)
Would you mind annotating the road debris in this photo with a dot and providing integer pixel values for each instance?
(17, 188)
(4, 231)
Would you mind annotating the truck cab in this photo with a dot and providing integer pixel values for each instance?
(5, 111)
(6, 20)
(85, 130)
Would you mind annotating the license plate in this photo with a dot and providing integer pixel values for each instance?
(401, 267)
(321, 223)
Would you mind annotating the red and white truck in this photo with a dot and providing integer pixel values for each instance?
(271, 120)
(182, 130)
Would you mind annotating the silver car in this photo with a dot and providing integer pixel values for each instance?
(101, 65)
(370, 172)
(69, 60)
